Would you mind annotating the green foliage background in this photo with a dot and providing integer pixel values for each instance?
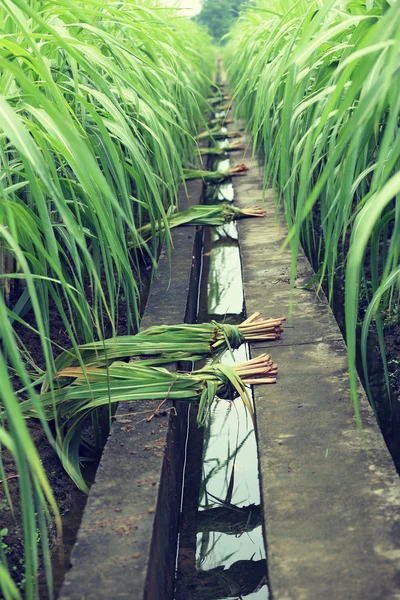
(99, 106)
(218, 16)
(318, 83)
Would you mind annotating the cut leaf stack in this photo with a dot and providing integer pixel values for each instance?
(172, 343)
(94, 387)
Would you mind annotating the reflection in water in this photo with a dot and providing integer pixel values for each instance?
(221, 544)
(230, 483)
(222, 193)
(226, 192)
(224, 285)
(223, 165)
(222, 552)
(228, 232)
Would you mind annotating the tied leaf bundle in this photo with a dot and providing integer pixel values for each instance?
(221, 122)
(215, 177)
(218, 99)
(211, 215)
(94, 387)
(222, 107)
(217, 134)
(172, 343)
(216, 151)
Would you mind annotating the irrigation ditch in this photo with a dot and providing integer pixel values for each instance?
(187, 513)
(221, 549)
(142, 453)
(204, 282)
(296, 505)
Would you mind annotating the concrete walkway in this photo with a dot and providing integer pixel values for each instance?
(126, 544)
(331, 500)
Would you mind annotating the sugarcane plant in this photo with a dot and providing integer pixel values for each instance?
(99, 106)
(71, 403)
(222, 108)
(218, 99)
(215, 177)
(319, 85)
(220, 122)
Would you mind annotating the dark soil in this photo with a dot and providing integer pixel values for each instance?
(389, 414)
(66, 494)
(392, 341)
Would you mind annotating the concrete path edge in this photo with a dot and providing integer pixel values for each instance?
(126, 544)
(331, 496)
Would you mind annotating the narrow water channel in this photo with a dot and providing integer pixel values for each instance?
(221, 550)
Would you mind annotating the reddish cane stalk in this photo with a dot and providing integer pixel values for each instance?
(241, 168)
(257, 329)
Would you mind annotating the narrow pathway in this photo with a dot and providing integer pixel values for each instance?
(127, 540)
(331, 498)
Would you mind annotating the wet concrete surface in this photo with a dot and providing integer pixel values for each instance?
(331, 495)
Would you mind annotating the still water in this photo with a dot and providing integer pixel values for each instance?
(221, 550)
(230, 479)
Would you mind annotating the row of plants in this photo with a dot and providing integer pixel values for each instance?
(318, 83)
(99, 108)
(215, 478)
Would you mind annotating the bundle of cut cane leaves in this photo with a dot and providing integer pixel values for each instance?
(218, 99)
(216, 134)
(220, 121)
(171, 343)
(217, 151)
(214, 215)
(215, 177)
(94, 387)
(222, 107)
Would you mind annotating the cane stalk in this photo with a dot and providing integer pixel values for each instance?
(220, 122)
(217, 134)
(214, 215)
